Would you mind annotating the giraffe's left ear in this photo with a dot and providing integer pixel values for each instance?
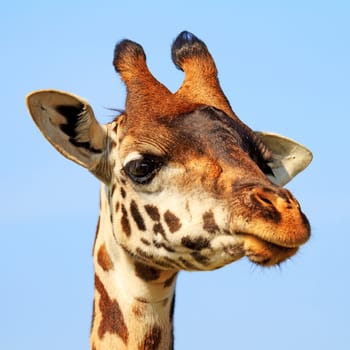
(289, 158)
(68, 123)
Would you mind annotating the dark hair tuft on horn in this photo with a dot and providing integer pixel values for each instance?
(126, 54)
(187, 45)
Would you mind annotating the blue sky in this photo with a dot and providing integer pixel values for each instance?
(285, 68)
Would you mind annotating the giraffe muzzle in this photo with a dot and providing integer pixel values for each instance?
(271, 224)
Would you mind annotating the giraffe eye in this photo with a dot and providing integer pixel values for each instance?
(143, 170)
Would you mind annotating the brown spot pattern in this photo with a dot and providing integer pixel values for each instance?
(112, 317)
(209, 223)
(145, 272)
(104, 259)
(153, 212)
(152, 339)
(203, 260)
(122, 192)
(163, 245)
(135, 213)
(125, 222)
(172, 221)
(145, 241)
(158, 228)
(195, 243)
(144, 254)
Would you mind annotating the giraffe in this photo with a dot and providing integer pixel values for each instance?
(186, 185)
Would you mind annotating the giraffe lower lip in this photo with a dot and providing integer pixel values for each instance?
(275, 243)
(265, 253)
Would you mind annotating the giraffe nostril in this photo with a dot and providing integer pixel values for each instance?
(264, 199)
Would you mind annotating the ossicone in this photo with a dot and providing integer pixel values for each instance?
(127, 54)
(188, 46)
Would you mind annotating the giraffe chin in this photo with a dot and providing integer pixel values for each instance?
(265, 253)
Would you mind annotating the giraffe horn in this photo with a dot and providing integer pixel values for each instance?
(201, 84)
(143, 89)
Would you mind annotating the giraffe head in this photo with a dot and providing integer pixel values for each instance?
(189, 185)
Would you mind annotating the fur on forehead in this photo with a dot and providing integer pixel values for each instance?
(208, 125)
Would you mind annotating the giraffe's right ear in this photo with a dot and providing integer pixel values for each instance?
(68, 123)
(289, 157)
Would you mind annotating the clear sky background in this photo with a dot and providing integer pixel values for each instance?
(284, 65)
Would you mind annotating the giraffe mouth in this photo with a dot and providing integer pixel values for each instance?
(265, 253)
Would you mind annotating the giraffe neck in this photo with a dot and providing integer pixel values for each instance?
(133, 302)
